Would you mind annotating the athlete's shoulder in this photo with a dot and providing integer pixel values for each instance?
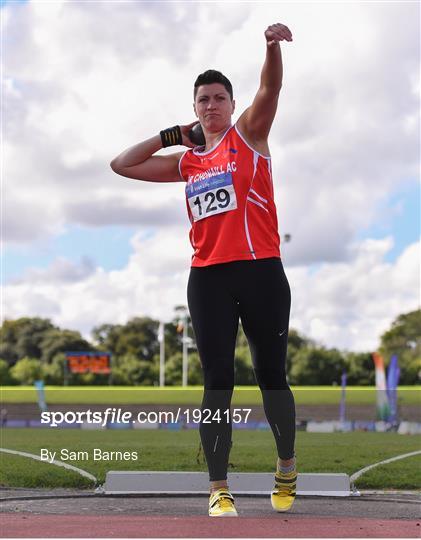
(187, 155)
(186, 161)
(259, 147)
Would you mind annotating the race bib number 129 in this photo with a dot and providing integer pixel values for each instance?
(211, 196)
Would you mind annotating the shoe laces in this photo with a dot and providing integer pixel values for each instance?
(285, 487)
(225, 502)
(282, 488)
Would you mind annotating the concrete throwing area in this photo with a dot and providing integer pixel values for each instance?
(177, 482)
(85, 514)
(150, 505)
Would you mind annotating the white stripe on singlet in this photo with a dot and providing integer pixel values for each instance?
(259, 196)
(258, 204)
(255, 160)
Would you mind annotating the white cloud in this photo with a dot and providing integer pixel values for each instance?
(81, 297)
(60, 270)
(83, 81)
(87, 80)
(347, 305)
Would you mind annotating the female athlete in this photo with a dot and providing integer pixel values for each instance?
(236, 269)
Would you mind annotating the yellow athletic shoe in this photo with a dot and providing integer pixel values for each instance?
(221, 504)
(283, 494)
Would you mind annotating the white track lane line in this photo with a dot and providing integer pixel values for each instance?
(362, 471)
(54, 462)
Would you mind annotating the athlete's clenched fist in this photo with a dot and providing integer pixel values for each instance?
(277, 32)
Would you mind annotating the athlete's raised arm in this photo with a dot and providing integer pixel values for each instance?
(138, 161)
(256, 120)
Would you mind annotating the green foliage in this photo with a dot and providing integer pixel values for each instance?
(411, 372)
(138, 337)
(195, 372)
(5, 375)
(244, 374)
(243, 368)
(56, 341)
(135, 353)
(53, 373)
(26, 371)
(404, 335)
(295, 343)
(173, 370)
(173, 338)
(312, 366)
(23, 337)
(37, 338)
(404, 340)
(129, 370)
(359, 369)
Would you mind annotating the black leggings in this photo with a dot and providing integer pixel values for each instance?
(259, 293)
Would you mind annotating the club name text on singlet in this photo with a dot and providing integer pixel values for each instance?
(229, 198)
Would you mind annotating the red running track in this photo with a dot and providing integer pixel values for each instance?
(27, 525)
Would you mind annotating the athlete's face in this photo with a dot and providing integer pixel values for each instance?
(213, 107)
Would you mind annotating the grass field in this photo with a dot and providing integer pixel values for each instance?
(164, 450)
(245, 395)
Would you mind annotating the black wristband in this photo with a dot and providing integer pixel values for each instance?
(171, 136)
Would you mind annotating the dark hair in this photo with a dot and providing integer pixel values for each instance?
(212, 76)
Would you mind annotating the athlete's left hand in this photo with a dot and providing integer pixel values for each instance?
(277, 32)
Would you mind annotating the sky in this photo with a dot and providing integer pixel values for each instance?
(82, 81)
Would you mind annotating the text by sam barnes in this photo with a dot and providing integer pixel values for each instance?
(96, 454)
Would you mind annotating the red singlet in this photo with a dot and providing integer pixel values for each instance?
(229, 196)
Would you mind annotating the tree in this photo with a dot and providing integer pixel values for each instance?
(5, 375)
(195, 372)
(105, 336)
(53, 373)
(359, 369)
(26, 371)
(56, 341)
(296, 342)
(129, 370)
(316, 366)
(404, 340)
(244, 374)
(138, 337)
(23, 337)
(173, 370)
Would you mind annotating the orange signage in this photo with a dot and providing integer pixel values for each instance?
(85, 363)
